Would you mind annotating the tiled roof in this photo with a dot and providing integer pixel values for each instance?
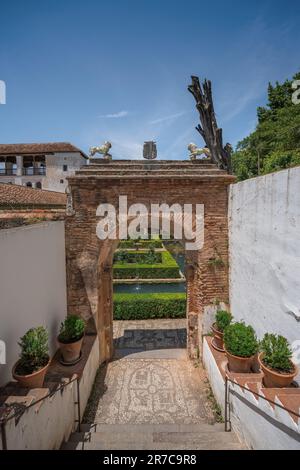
(14, 195)
(29, 149)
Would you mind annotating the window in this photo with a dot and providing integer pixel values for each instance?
(38, 185)
(65, 167)
(29, 184)
(61, 181)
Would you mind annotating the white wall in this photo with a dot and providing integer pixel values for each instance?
(255, 421)
(32, 285)
(54, 169)
(264, 243)
(48, 424)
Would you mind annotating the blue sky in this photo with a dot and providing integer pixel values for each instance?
(88, 71)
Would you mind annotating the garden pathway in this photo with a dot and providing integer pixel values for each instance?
(151, 395)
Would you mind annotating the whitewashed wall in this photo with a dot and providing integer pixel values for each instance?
(55, 173)
(264, 221)
(32, 285)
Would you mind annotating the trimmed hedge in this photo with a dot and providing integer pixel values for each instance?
(168, 269)
(145, 306)
(137, 257)
(141, 243)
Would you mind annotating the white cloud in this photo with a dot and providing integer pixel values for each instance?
(120, 114)
(167, 118)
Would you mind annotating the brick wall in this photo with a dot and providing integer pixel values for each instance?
(88, 258)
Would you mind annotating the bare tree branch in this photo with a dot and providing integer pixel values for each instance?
(208, 129)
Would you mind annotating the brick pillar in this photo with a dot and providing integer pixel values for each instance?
(105, 314)
(193, 342)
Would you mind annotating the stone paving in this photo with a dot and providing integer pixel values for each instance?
(148, 382)
(150, 334)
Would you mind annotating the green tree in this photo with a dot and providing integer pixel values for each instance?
(275, 143)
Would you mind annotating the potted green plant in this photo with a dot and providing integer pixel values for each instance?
(70, 338)
(275, 361)
(241, 346)
(31, 368)
(223, 319)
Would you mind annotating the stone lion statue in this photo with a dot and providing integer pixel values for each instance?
(102, 150)
(194, 151)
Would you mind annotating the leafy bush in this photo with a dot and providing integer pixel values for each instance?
(34, 351)
(138, 257)
(168, 268)
(145, 306)
(240, 340)
(71, 329)
(223, 319)
(280, 160)
(277, 353)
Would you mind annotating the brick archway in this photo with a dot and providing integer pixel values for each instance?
(89, 260)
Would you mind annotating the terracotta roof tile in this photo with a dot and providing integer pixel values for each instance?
(15, 195)
(29, 149)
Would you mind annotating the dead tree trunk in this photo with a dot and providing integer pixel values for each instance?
(208, 128)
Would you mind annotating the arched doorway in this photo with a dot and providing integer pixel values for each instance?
(89, 260)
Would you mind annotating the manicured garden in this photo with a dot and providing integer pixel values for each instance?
(166, 269)
(138, 257)
(136, 244)
(147, 306)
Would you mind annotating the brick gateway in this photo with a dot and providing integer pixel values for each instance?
(89, 260)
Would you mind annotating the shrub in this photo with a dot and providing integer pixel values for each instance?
(281, 159)
(156, 243)
(145, 306)
(34, 351)
(168, 268)
(277, 353)
(240, 340)
(223, 319)
(137, 257)
(71, 329)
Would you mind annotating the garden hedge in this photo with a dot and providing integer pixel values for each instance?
(137, 257)
(146, 306)
(142, 243)
(168, 269)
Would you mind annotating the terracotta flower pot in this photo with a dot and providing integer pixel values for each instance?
(274, 379)
(217, 342)
(70, 351)
(239, 364)
(34, 380)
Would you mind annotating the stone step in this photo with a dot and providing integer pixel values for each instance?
(195, 175)
(128, 169)
(150, 428)
(151, 164)
(141, 171)
(154, 437)
(211, 445)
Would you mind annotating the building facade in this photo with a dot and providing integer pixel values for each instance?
(42, 166)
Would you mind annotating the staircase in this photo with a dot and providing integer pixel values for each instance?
(151, 396)
(153, 437)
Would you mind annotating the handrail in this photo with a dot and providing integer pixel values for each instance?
(227, 407)
(5, 420)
